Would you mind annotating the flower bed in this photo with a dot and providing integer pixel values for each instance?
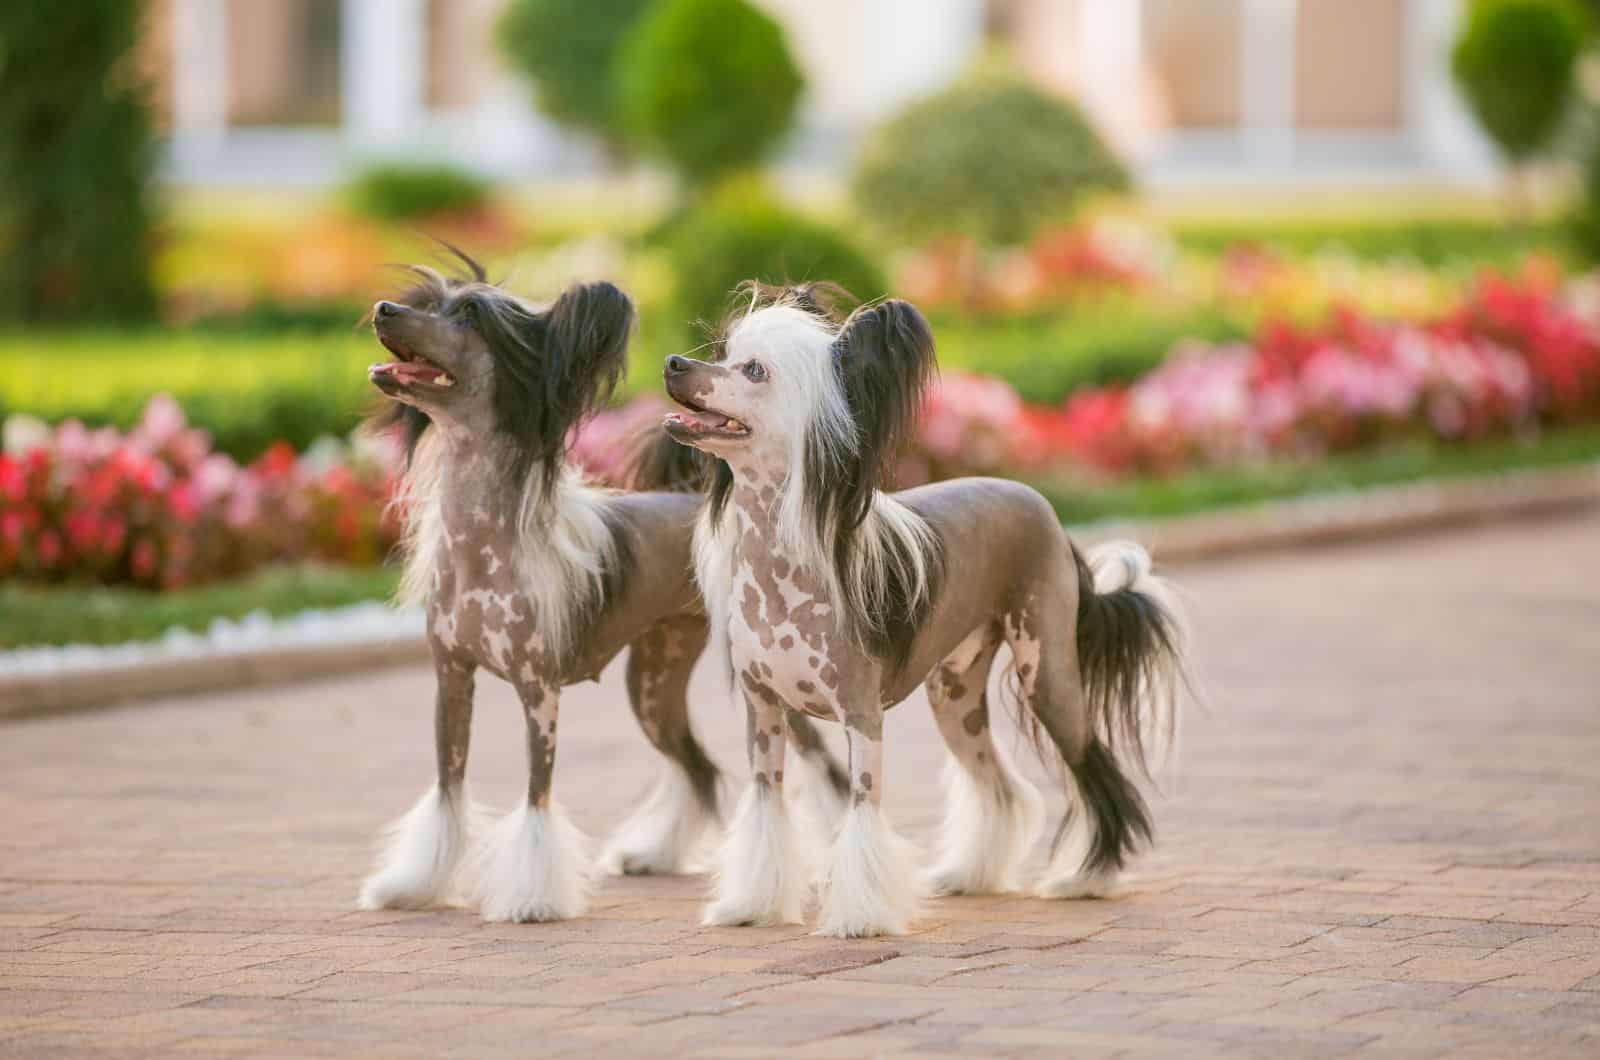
(157, 508)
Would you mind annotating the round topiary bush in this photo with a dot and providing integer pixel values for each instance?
(707, 85)
(992, 158)
(568, 51)
(396, 191)
(1515, 63)
(745, 235)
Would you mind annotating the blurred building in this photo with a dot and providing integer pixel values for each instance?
(1191, 91)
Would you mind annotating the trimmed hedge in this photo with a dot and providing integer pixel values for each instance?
(745, 235)
(401, 191)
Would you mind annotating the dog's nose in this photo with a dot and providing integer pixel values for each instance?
(677, 365)
(385, 309)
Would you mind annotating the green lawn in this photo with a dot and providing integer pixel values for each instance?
(1149, 498)
(67, 614)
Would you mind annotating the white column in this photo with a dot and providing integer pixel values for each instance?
(1445, 132)
(199, 81)
(1110, 81)
(1266, 81)
(382, 61)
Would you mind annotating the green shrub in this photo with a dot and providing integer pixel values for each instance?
(708, 86)
(1514, 62)
(1440, 241)
(248, 391)
(992, 158)
(76, 161)
(1048, 356)
(743, 235)
(397, 191)
(568, 51)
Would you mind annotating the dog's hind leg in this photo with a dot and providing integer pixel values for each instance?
(992, 815)
(663, 834)
(533, 864)
(828, 781)
(871, 887)
(1085, 690)
(423, 852)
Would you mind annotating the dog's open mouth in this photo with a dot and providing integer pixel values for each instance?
(407, 370)
(703, 423)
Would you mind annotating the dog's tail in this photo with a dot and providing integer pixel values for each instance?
(1130, 642)
(659, 463)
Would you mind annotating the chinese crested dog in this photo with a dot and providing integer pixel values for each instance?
(830, 596)
(533, 576)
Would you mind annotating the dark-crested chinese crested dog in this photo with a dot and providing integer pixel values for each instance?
(833, 597)
(529, 574)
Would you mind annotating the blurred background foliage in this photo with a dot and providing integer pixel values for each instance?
(993, 203)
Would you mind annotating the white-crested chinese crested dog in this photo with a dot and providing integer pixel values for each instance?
(833, 597)
(529, 574)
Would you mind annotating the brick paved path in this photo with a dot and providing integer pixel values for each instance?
(1386, 841)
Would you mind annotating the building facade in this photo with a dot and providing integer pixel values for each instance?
(1190, 91)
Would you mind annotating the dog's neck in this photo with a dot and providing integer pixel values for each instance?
(477, 490)
(764, 533)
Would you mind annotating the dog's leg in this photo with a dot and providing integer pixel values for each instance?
(423, 852)
(663, 834)
(533, 864)
(827, 782)
(1105, 814)
(992, 815)
(871, 888)
(762, 876)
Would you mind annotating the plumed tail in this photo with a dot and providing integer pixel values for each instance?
(1130, 642)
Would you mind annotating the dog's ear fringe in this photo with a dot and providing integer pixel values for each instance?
(580, 349)
(884, 358)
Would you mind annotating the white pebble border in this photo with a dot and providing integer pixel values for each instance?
(257, 632)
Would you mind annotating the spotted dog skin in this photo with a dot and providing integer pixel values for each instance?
(479, 617)
(964, 566)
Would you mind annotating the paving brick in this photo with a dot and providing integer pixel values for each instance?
(1382, 843)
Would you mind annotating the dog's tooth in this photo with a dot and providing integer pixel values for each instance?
(444, 380)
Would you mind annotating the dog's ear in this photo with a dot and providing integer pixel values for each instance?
(588, 331)
(884, 359)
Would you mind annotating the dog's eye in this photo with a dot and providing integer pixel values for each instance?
(468, 312)
(755, 371)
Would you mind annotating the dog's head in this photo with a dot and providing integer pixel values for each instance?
(481, 361)
(796, 391)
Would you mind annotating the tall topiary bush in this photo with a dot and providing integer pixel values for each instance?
(76, 160)
(1514, 62)
(708, 86)
(567, 48)
(741, 234)
(992, 158)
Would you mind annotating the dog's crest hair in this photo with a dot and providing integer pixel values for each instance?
(551, 368)
(858, 387)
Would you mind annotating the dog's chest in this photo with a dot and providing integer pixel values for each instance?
(478, 611)
(783, 633)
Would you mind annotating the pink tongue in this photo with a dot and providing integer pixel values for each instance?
(413, 371)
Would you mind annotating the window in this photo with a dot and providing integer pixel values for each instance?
(1348, 56)
(283, 62)
(1194, 50)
